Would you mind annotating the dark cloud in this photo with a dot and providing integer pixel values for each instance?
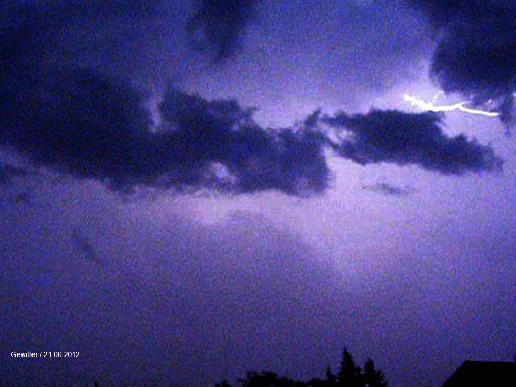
(506, 109)
(94, 126)
(439, 12)
(387, 189)
(218, 25)
(23, 23)
(408, 138)
(251, 158)
(53, 12)
(91, 124)
(476, 50)
(29, 34)
(42, 36)
(74, 9)
(20, 32)
(85, 122)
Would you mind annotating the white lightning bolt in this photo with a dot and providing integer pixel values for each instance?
(446, 108)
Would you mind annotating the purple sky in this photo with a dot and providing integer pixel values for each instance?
(376, 228)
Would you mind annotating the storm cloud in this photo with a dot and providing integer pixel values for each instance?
(255, 159)
(408, 138)
(476, 50)
(217, 26)
(95, 124)
(96, 127)
(24, 23)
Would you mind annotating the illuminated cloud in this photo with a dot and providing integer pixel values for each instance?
(408, 138)
(91, 124)
(476, 50)
(94, 126)
(252, 158)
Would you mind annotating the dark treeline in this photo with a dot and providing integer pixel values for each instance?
(350, 375)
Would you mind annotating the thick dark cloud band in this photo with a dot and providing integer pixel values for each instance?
(94, 126)
(408, 138)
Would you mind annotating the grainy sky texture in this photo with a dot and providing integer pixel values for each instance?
(193, 189)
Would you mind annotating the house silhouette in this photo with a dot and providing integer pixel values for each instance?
(483, 374)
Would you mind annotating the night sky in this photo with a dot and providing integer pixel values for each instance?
(190, 190)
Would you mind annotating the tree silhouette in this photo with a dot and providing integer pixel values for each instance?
(316, 382)
(350, 374)
(331, 379)
(268, 379)
(371, 377)
(223, 383)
